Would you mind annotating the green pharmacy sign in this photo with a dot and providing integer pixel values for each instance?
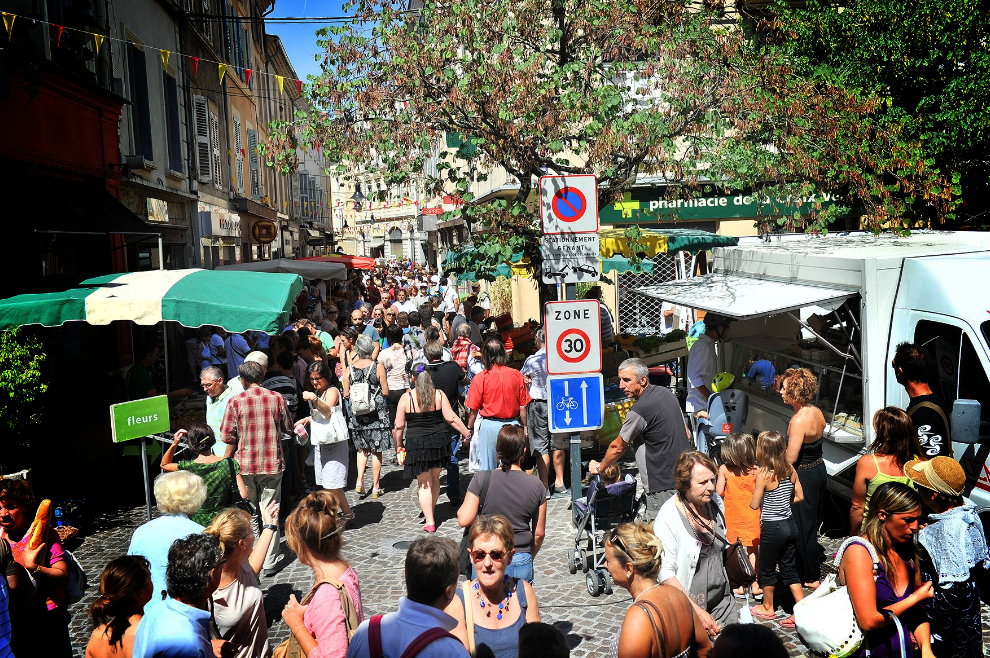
(132, 420)
(646, 204)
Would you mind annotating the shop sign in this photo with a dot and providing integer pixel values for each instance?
(649, 205)
(222, 221)
(264, 231)
(157, 210)
(132, 420)
(432, 211)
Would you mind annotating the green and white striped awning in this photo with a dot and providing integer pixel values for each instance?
(236, 301)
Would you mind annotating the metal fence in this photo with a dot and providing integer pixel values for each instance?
(639, 313)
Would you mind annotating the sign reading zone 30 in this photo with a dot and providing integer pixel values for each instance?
(574, 337)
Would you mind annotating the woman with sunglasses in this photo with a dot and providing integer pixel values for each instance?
(328, 615)
(491, 608)
(661, 620)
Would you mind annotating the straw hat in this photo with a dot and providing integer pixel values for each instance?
(941, 474)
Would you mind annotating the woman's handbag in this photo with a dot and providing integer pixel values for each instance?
(825, 619)
(237, 500)
(332, 430)
(292, 649)
(737, 565)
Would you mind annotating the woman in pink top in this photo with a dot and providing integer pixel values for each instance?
(313, 531)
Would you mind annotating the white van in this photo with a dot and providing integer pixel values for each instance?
(839, 305)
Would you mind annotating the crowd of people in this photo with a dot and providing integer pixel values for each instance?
(394, 362)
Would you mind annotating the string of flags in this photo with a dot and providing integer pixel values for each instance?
(98, 39)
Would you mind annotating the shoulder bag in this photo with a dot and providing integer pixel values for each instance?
(333, 429)
(737, 565)
(464, 563)
(362, 401)
(236, 499)
(413, 649)
(292, 649)
(825, 619)
(468, 617)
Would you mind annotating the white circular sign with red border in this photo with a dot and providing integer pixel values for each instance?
(574, 337)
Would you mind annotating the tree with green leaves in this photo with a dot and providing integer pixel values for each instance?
(22, 389)
(927, 63)
(617, 88)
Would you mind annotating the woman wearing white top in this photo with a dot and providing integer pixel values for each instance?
(238, 604)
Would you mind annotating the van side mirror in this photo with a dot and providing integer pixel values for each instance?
(966, 426)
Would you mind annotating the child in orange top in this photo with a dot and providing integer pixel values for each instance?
(736, 483)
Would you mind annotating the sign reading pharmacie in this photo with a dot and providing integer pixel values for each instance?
(650, 203)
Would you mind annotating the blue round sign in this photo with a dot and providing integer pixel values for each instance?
(569, 204)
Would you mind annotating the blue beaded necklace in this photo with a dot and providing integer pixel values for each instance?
(503, 606)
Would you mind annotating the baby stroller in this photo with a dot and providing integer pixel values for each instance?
(727, 413)
(605, 507)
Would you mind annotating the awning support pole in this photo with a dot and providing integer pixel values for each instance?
(824, 340)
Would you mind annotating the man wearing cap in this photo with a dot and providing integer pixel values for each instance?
(954, 556)
(235, 385)
(702, 366)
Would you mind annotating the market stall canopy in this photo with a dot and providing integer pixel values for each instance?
(236, 301)
(744, 297)
(351, 262)
(459, 260)
(664, 240)
(619, 263)
(307, 269)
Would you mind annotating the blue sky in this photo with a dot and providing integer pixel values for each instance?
(299, 40)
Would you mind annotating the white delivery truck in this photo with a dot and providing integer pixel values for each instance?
(839, 305)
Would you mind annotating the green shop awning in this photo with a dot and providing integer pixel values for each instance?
(663, 240)
(619, 263)
(236, 301)
(646, 205)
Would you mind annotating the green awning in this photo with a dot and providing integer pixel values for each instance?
(236, 301)
(619, 263)
(663, 240)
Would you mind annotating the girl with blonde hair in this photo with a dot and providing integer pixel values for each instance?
(238, 604)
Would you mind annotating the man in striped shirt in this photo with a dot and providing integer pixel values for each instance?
(252, 428)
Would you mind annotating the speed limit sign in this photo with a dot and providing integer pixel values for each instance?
(574, 337)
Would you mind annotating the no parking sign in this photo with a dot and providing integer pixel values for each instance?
(574, 337)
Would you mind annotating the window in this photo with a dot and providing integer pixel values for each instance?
(140, 109)
(172, 128)
(238, 155)
(206, 23)
(203, 150)
(253, 163)
(217, 173)
(957, 371)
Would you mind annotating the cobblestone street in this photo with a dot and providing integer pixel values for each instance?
(370, 547)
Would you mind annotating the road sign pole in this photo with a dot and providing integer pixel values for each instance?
(144, 471)
(570, 293)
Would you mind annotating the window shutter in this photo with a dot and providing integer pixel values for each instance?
(253, 163)
(140, 108)
(172, 122)
(229, 34)
(238, 158)
(215, 147)
(202, 114)
(303, 192)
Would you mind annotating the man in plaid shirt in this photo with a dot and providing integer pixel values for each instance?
(462, 347)
(252, 428)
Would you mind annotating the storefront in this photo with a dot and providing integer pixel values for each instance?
(221, 235)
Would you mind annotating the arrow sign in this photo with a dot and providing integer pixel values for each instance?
(576, 413)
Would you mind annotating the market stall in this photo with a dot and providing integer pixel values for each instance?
(307, 269)
(350, 262)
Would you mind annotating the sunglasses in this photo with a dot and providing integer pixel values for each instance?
(613, 538)
(496, 555)
(391, 315)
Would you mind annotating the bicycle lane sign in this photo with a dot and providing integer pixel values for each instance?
(576, 402)
(574, 337)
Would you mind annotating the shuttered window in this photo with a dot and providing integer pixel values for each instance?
(203, 155)
(172, 128)
(217, 162)
(253, 164)
(238, 156)
(140, 107)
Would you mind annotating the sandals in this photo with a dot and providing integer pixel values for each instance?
(375, 493)
(430, 528)
(359, 489)
(347, 518)
(787, 623)
(760, 615)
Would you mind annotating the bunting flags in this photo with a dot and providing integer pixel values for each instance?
(223, 72)
(58, 40)
(195, 64)
(299, 87)
(98, 40)
(247, 77)
(165, 55)
(8, 22)
(281, 83)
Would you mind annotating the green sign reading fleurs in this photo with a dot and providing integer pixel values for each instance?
(646, 204)
(132, 420)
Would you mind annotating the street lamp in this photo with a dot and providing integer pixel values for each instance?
(358, 198)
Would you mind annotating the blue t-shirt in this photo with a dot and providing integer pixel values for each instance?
(763, 372)
(173, 630)
(4, 620)
(152, 540)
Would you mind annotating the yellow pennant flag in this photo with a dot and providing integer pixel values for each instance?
(8, 22)
(98, 40)
(223, 71)
(165, 55)
(281, 83)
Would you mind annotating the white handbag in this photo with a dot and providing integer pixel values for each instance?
(825, 619)
(325, 430)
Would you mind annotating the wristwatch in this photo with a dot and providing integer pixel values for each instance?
(272, 526)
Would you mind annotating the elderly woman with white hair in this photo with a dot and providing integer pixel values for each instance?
(179, 495)
(370, 432)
